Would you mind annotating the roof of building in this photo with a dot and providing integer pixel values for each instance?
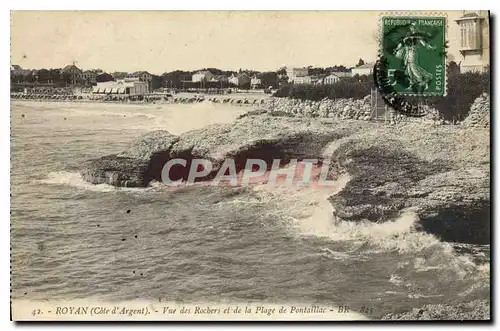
(15, 67)
(70, 67)
(119, 83)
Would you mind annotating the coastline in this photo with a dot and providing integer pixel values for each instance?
(427, 167)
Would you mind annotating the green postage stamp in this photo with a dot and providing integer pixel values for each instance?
(414, 53)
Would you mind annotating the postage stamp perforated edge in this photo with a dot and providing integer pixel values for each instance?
(416, 14)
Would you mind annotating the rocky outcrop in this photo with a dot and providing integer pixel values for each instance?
(357, 109)
(116, 171)
(135, 166)
(479, 115)
(340, 108)
(262, 137)
(474, 310)
(441, 173)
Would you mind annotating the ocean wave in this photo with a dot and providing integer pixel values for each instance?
(309, 213)
(75, 179)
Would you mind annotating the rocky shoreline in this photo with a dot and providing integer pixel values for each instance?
(355, 109)
(441, 173)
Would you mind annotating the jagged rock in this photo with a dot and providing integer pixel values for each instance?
(253, 113)
(441, 173)
(117, 171)
(132, 167)
(443, 178)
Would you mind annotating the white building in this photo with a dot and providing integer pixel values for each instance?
(335, 77)
(294, 73)
(474, 40)
(127, 86)
(365, 69)
(302, 80)
(255, 82)
(202, 76)
(239, 80)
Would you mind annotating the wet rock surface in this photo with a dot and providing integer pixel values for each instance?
(441, 173)
(255, 136)
(116, 171)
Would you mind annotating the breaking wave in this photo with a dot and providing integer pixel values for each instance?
(309, 213)
(75, 179)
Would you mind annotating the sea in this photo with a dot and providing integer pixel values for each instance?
(71, 240)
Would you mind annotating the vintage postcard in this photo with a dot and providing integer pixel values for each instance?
(250, 165)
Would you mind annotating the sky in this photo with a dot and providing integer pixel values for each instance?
(161, 41)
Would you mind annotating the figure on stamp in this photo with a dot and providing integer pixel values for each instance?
(413, 53)
(407, 50)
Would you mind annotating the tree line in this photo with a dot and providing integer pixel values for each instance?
(173, 79)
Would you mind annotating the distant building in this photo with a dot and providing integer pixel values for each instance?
(17, 70)
(240, 79)
(302, 80)
(293, 73)
(72, 74)
(127, 86)
(334, 77)
(255, 82)
(89, 77)
(474, 40)
(365, 69)
(143, 76)
(202, 76)
(219, 79)
(222, 78)
(317, 79)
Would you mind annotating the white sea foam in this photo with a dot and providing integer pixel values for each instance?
(310, 213)
(74, 179)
